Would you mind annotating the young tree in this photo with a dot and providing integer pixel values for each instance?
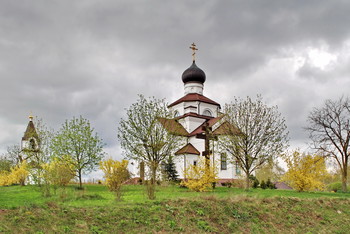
(5, 164)
(116, 173)
(263, 133)
(199, 177)
(270, 170)
(305, 172)
(77, 139)
(143, 138)
(329, 129)
(170, 172)
(59, 171)
(13, 154)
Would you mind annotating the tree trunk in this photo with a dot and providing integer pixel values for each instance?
(247, 181)
(142, 171)
(152, 183)
(80, 182)
(344, 179)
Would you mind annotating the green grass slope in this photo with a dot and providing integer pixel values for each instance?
(206, 214)
(175, 210)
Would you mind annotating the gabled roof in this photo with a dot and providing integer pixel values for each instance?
(188, 149)
(30, 132)
(224, 129)
(173, 127)
(227, 129)
(194, 97)
(210, 122)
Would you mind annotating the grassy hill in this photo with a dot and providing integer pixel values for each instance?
(225, 210)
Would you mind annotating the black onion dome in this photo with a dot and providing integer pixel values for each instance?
(193, 74)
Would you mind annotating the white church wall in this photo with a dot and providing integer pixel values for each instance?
(192, 123)
(183, 161)
(179, 108)
(193, 87)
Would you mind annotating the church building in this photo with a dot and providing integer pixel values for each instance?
(200, 116)
(198, 119)
(30, 139)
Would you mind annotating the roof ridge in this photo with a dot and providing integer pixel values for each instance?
(194, 97)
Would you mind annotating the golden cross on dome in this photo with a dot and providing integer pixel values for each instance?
(193, 48)
(30, 116)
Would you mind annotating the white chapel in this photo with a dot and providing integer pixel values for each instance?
(196, 112)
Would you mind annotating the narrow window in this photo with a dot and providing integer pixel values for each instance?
(223, 161)
(194, 163)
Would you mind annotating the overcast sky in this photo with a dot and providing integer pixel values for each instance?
(60, 59)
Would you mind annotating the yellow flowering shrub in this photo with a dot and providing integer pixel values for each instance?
(116, 173)
(305, 172)
(199, 178)
(4, 178)
(17, 175)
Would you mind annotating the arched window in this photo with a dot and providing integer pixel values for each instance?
(32, 144)
(207, 113)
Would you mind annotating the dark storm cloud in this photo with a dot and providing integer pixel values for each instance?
(67, 58)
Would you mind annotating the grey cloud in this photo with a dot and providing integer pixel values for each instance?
(92, 58)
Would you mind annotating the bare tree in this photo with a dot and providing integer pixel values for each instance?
(263, 137)
(13, 154)
(329, 129)
(143, 136)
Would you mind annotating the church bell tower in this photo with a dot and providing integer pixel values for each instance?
(30, 140)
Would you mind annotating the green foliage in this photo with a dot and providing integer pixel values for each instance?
(77, 139)
(263, 184)
(335, 187)
(59, 172)
(143, 138)
(170, 170)
(30, 195)
(269, 184)
(5, 164)
(255, 183)
(237, 214)
(270, 170)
